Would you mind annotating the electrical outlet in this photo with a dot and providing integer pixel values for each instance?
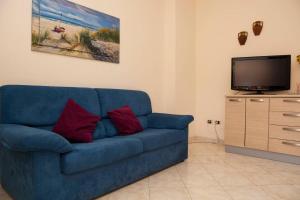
(217, 122)
(209, 121)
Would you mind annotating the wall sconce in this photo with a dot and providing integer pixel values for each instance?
(257, 27)
(243, 37)
(298, 59)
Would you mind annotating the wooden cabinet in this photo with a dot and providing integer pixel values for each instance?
(285, 132)
(285, 104)
(285, 126)
(235, 122)
(285, 118)
(263, 122)
(257, 123)
(285, 146)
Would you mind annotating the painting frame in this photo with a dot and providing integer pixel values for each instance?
(66, 28)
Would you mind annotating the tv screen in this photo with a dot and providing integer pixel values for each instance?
(263, 73)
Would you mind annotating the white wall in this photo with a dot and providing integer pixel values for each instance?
(218, 23)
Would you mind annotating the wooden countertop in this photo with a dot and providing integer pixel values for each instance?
(264, 96)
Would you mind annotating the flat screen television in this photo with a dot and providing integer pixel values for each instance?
(262, 73)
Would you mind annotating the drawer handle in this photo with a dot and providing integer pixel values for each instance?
(291, 114)
(291, 129)
(235, 100)
(257, 100)
(291, 144)
(291, 100)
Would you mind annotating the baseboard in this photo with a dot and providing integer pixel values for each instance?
(263, 154)
(197, 139)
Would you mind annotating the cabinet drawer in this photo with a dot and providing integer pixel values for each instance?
(285, 104)
(284, 146)
(285, 132)
(285, 118)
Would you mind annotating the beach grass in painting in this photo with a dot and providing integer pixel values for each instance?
(65, 28)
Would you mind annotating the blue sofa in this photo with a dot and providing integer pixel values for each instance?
(37, 164)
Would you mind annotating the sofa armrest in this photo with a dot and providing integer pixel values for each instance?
(27, 139)
(160, 120)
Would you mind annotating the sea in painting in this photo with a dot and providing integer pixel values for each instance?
(65, 28)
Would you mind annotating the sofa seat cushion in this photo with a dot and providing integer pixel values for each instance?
(158, 138)
(99, 153)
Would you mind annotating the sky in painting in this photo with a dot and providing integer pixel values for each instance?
(72, 13)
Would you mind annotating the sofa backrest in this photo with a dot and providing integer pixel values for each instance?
(41, 106)
(111, 99)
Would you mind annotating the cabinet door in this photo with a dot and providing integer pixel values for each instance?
(235, 122)
(257, 123)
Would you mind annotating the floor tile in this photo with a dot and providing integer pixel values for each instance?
(135, 191)
(206, 159)
(250, 167)
(194, 175)
(199, 180)
(232, 179)
(289, 177)
(219, 168)
(208, 193)
(169, 194)
(166, 178)
(247, 193)
(267, 179)
(283, 192)
(128, 194)
(274, 166)
(186, 169)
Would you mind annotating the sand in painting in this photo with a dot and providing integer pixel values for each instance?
(58, 43)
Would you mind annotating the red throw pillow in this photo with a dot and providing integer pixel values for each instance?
(76, 124)
(125, 121)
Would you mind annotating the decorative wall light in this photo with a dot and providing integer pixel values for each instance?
(298, 58)
(257, 27)
(243, 37)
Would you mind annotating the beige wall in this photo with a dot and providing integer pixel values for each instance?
(179, 72)
(218, 23)
(185, 90)
(177, 50)
(169, 70)
(142, 53)
(154, 57)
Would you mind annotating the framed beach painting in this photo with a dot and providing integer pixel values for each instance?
(65, 28)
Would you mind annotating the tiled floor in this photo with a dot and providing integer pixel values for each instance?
(212, 174)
